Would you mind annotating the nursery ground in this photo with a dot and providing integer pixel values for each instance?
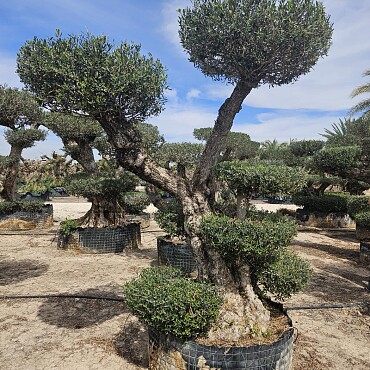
(73, 334)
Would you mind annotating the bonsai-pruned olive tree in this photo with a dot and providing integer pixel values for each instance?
(101, 184)
(237, 145)
(21, 115)
(246, 43)
(246, 179)
(346, 153)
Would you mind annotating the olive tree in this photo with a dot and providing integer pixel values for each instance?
(21, 115)
(246, 43)
(246, 179)
(102, 184)
(346, 153)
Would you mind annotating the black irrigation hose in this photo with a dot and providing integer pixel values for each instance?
(324, 307)
(118, 299)
(68, 296)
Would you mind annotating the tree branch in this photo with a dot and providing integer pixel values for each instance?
(222, 127)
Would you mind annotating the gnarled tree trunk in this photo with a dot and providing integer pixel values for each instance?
(242, 311)
(11, 173)
(103, 213)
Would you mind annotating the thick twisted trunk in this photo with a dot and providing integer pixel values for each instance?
(11, 173)
(103, 213)
(242, 312)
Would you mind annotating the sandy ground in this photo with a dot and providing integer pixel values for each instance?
(73, 334)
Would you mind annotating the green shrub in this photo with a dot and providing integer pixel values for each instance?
(164, 300)
(134, 202)
(337, 159)
(357, 204)
(7, 208)
(334, 202)
(170, 217)
(287, 276)
(67, 226)
(363, 219)
(258, 242)
(305, 148)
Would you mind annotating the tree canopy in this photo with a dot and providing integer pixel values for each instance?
(260, 41)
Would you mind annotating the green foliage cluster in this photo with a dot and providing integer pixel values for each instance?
(237, 145)
(287, 275)
(7, 207)
(255, 40)
(328, 202)
(88, 74)
(358, 204)
(134, 202)
(337, 159)
(24, 137)
(261, 178)
(187, 154)
(363, 219)
(359, 210)
(164, 300)
(18, 108)
(67, 226)
(260, 242)
(107, 186)
(304, 148)
(170, 217)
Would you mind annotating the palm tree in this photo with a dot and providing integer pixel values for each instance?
(364, 105)
(338, 133)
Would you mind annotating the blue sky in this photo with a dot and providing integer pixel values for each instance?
(297, 111)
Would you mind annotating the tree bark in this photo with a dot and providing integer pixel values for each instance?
(242, 311)
(222, 127)
(103, 213)
(11, 173)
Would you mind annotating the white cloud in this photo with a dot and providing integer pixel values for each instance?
(170, 21)
(177, 122)
(287, 125)
(8, 73)
(193, 93)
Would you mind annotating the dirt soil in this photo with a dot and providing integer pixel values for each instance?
(81, 333)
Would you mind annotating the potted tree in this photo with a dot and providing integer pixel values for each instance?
(22, 116)
(359, 208)
(228, 40)
(105, 227)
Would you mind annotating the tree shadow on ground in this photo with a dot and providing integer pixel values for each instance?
(336, 251)
(333, 284)
(12, 272)
(131, 343)
(348, 235)
(77, 313)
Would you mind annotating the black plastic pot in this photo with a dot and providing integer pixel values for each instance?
(175, 255)
(28, 220)
(103, 240)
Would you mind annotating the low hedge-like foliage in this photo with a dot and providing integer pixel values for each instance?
(67, 226)
(163, 299)
(260, 242)
(334, 202)
(363, 219)
(170, 217)
(134, 202)
(288, 275)
(358, 204)
(7, 208)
